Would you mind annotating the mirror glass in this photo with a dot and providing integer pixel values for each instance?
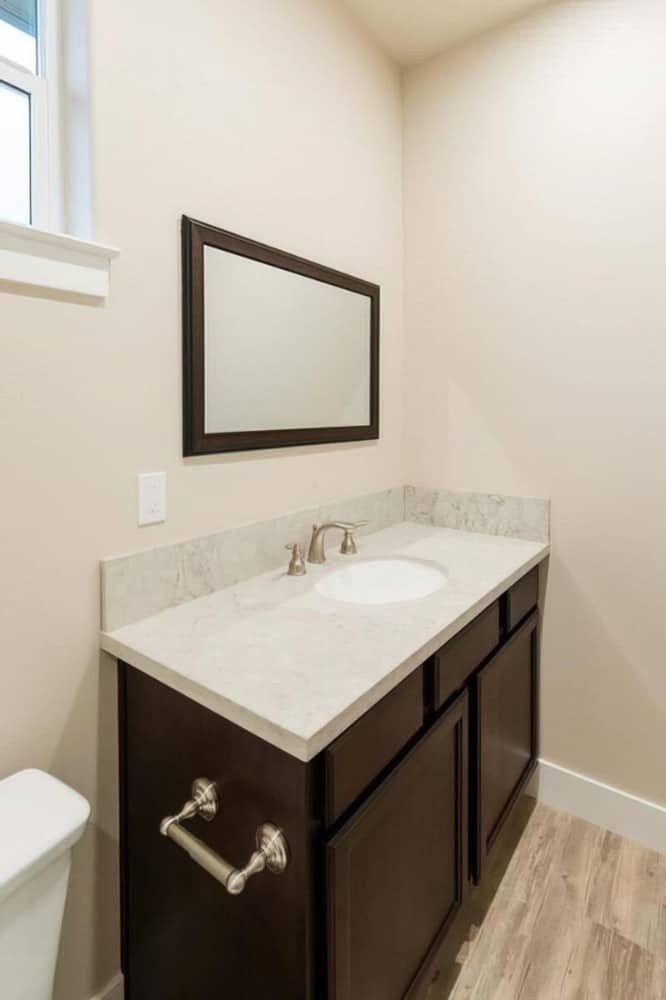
(282, 350)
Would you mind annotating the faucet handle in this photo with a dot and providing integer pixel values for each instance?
(348, 546)
(296, 564)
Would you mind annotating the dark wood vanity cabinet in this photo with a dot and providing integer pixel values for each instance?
(397, 870)
(389, 828)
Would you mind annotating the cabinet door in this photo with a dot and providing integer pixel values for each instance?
(397, 871)
(506, 724)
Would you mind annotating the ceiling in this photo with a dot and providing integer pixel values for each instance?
(413, 30)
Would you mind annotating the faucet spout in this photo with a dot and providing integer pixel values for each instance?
(317, 550)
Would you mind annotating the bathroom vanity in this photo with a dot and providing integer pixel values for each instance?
(392, 810)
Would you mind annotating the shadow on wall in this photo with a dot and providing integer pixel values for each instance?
(93, 898)
(603, 693)
(598, 698)
(504, 444)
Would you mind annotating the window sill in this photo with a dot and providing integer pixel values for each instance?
(36, 260)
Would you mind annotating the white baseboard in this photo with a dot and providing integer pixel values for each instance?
(615, 810)
(112, 991)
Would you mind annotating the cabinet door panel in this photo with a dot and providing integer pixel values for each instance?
(397, 871)
(507, 730)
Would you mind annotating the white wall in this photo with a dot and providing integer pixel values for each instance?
(535, 215)
(284, 125)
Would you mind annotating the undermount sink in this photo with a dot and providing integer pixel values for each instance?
(382, 581)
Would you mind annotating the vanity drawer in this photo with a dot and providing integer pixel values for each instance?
(522, 598)
(464, 653)
(357, 757)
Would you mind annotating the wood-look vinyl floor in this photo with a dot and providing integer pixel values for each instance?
(579, 915)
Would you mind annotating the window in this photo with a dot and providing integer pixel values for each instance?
(43, 50)
(28, 115)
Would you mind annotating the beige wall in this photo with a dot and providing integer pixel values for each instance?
(285, 125)
(535, 220)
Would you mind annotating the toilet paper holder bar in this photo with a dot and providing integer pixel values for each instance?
(272, 849)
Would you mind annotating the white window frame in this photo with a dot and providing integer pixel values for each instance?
(38, 257)
(42, 88)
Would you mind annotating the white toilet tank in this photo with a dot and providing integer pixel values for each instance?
(40, 820)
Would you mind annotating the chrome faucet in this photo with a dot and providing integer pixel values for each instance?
(317, 552)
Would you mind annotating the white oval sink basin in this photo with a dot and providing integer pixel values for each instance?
(382, 581)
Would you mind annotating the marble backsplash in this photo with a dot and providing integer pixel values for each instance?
(144, 583)
(484, 513)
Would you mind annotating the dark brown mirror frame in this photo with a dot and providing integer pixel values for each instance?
(197, 235)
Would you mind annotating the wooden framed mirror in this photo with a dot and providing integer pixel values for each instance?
(277, 350)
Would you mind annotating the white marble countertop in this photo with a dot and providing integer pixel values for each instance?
(295, 668)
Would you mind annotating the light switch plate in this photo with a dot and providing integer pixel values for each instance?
(151, 497)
